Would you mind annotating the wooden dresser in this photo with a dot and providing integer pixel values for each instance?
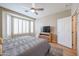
(47, 36)
(1, 41)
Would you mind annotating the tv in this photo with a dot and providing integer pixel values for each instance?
(46, 29)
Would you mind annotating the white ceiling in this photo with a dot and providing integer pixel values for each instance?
(49, 8)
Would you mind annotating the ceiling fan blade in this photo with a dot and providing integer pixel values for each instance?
(33, 9)
(40, 9)
(26, 11)
(36, 13)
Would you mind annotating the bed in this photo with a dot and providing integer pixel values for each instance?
(25, 46)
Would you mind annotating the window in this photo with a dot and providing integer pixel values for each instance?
(8, 25)
(20, 26)
(32, 26)
(27, 26)
(15, 25)
(24, 26)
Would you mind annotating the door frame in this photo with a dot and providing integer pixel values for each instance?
(74, 32)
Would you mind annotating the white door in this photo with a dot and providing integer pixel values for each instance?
(68, 32)
(60, 31)
(64, 32)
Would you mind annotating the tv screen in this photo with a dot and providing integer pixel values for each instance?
(46, 29)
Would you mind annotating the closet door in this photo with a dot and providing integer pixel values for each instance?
(64, 32)
(68, 32)
(60, 31)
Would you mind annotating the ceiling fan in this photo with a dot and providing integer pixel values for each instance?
(34, 9)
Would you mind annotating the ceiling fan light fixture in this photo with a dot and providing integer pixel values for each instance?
(32, 10)
(35, 10)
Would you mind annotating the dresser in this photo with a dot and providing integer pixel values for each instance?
(47, 36)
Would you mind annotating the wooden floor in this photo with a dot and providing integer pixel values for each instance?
(0, 50)
(66, 51)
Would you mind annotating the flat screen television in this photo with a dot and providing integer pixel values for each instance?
(46, 29)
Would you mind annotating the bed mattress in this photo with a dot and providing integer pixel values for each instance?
(25, 46)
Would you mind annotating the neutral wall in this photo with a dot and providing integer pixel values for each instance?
(0, 22)
(75, 8)
(50, 20)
